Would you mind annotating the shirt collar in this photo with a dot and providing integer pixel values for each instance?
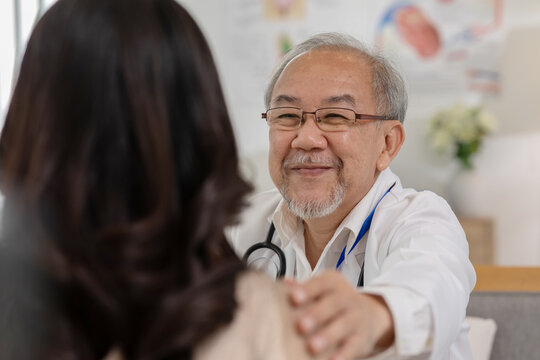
(355, 219)
(288, 225)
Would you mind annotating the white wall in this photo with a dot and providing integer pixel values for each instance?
(7, 57)
(27, 11)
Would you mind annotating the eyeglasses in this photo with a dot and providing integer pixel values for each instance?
(328, 119)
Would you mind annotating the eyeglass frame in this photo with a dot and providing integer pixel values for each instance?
(357, 116)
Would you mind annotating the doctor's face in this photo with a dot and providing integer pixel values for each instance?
(318, 172)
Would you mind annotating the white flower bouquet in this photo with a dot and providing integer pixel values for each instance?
(460, 129)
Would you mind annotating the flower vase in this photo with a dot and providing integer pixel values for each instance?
(466, 193)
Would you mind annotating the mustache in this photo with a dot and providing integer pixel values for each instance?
(312, 159)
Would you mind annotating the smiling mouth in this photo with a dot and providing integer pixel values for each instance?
(310, 165)
(310, 170)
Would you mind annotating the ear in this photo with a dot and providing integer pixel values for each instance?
(394, 135)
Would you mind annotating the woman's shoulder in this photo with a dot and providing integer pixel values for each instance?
(254, 286)
(263, 325)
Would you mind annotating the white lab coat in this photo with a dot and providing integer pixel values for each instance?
(415, 253)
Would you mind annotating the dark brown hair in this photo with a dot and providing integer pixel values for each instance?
(120, 172)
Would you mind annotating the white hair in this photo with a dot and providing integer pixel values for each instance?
(387, 85)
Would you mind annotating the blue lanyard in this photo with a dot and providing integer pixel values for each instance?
(365, 227)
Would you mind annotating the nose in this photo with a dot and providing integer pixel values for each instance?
(309, 136)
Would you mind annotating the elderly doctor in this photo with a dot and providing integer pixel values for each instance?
(380, 269)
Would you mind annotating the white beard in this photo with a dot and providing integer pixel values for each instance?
(310, 208)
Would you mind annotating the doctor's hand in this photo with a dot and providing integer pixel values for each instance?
(335, 317)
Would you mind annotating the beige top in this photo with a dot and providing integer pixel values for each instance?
(262, 328)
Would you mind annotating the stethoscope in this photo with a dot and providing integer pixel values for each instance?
(275, 250)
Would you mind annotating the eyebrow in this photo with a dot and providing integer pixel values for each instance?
(285, 98)
(341, 98)
(331, 100)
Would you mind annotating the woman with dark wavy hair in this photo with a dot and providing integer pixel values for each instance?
(120, 172)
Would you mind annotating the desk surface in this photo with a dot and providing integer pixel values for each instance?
(507, 278)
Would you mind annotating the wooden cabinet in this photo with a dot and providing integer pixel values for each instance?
(479, 233)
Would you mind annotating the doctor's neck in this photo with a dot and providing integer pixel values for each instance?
(318, 232)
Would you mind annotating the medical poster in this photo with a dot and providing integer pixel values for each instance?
(448, 45)
(447, 48)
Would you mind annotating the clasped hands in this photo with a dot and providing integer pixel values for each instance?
(338, 320)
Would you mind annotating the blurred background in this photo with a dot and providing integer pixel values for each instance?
(473, 75)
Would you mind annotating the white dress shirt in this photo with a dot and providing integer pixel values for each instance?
(415, 254)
